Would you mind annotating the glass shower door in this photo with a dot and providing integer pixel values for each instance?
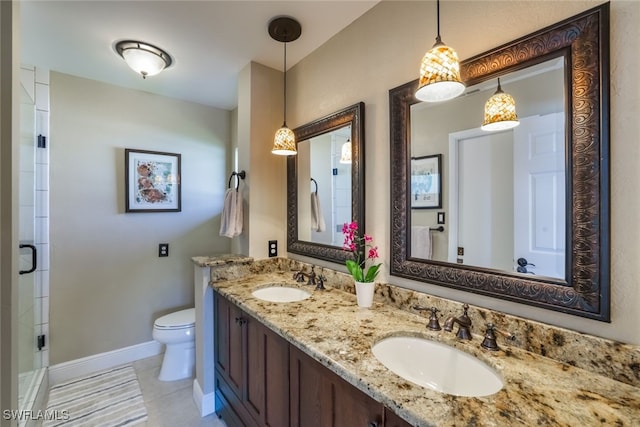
(29, 358)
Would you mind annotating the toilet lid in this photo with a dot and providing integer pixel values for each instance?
(179, 319)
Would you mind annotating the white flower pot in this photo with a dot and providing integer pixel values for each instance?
(364, 293)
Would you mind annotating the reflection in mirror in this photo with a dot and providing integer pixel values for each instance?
(505, 192)
(325, 184)
(576, 279)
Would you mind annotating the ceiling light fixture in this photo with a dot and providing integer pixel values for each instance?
(439, 72)
(284, 29)
(143, 58)
(500, 112)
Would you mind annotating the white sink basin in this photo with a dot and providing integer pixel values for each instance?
(437, 366)
(281, 294)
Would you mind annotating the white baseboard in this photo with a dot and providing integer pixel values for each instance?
(206, 403)
(87, 365)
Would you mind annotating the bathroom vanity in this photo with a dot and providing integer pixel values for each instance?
(310, 362)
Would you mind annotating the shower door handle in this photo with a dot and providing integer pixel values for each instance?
(34, 259)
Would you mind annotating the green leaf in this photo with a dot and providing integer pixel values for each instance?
(372, 273)
(354, 270)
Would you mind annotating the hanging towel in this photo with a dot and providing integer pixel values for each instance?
(231, 221)
(317, 219)
(420, 242)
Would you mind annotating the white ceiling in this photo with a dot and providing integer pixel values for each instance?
(210, 41)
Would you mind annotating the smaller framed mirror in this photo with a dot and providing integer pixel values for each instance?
(325, 184)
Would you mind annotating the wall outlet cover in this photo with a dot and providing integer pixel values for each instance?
(163, 249)
(273, 248)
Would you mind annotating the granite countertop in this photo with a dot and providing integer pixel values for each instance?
(332, 329)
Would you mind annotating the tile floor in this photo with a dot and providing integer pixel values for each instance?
(170, 403)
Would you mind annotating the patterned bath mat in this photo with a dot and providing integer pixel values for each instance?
(107, 398)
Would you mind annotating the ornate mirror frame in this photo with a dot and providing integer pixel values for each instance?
(583, 41)
(354, 116)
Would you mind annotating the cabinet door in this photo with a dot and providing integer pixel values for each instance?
(392, 420)
(253, 364)
(229, 339)
(323, 399)
(267, 388)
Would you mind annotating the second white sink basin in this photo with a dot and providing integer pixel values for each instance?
(281, 294)
(437, 366)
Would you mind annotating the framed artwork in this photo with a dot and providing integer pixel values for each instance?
(426, 182)
(152, 181)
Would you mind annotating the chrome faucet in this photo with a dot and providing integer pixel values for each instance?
(299, 276)
(464, 324)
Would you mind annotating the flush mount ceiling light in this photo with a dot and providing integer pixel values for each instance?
(143, 58)
(284, 29)
(439, 72)
(346, 152)
(500, 112)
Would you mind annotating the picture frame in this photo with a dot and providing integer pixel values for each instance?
(426, 182)
(152, 181)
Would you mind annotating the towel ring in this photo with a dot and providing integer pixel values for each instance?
(316, 184)
(240, 175)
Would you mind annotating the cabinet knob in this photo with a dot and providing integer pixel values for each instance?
(372, 424)
(240, 321)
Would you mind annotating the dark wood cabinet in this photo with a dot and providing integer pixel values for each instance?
(392, 420)
(252, 365)
(320, 398)
(261, 380)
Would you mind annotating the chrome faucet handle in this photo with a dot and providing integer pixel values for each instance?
(489, 342)
(320, 283)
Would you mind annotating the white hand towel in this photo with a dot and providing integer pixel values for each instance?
(317, 219)
(421, 242)
(232, 216)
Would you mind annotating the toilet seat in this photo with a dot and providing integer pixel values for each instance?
(179, 320)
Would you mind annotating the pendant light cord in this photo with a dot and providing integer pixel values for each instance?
(438, 39)
(285, 85)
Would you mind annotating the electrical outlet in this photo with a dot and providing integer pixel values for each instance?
(273, 248)
(163, 249)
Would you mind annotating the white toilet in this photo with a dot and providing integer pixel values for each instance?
(177, 331)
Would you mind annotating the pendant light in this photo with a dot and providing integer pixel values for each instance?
(439, 72)
(500, 112)
(346, 153)
(143, 58)
(284, 29)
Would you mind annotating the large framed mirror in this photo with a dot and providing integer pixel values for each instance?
(535, 236)
(325, 184)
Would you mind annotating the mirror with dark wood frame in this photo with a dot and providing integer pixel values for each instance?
(347, 123)
(582, 43)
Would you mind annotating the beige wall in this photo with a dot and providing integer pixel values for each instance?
(107, 282)
(383, 49)
(9, 166)
(259, 116)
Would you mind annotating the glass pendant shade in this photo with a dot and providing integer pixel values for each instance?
(439, 75)
(346, 153)
(500, 112)
(143, 58)
(284, 143)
